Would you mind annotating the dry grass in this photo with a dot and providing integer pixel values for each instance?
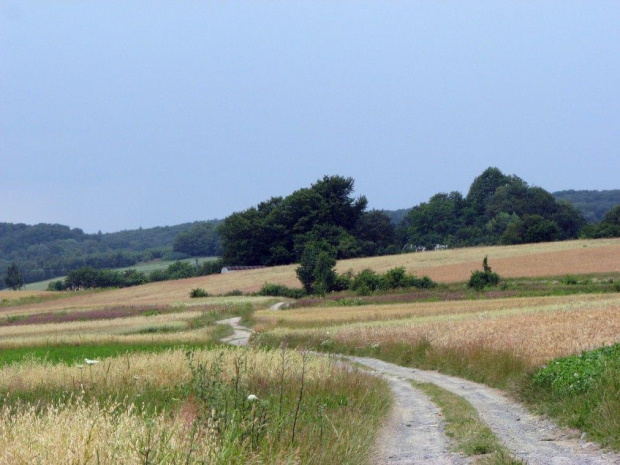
(547, 259)
(8, 296)
(142, 296)
(79, 432)
(160, 370)
(535, 330)
(420, 311)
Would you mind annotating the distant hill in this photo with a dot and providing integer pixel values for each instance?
(396, 216)
(44, 251)
(593, 204)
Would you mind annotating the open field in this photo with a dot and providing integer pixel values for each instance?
(210, 406)
(548, 259)
(534, 330)
(145, 267)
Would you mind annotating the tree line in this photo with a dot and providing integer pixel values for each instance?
(45, 251)
(498, 209)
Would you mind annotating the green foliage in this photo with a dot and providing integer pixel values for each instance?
(181, 270)
(581, 390)
(481, 279)
(497, 209)
(279, 290)
(49, 250)
(577, 373)
(368, 281)
(198, 292)
(609, 227)
(592, 204)
(201, 239)
(316, 268)
(88, 277)
(58, 285)
(277, 231)
(14, 278)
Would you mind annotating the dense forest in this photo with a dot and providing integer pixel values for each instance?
(498, 209)
(45, 251)
(593, 204)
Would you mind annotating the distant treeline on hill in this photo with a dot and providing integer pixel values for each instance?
(498, 209)
(45, 251)
(593, 204)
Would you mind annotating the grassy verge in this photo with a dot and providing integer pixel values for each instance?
(512, 287)
(494, 368)
(470, 434)
(582, 391)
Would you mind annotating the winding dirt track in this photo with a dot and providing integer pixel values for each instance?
(413, 433)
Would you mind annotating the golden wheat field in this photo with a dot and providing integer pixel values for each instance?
(546, 259)
(534, 329)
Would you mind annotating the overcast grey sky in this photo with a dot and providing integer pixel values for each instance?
(120, 114)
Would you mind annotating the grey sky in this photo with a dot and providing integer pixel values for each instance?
(120, 114)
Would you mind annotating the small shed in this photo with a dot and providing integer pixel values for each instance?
(228, 269)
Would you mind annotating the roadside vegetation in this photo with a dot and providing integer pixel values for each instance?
(502, 343)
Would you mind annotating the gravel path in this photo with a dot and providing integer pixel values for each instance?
(413, 433)
(241, 334)
(530, 438)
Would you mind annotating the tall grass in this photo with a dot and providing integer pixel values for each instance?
(216, 406)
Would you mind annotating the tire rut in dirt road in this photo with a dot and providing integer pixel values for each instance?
(530, 438)
(413, 432)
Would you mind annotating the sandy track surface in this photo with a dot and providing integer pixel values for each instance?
(241, 334)
(413, 432)
(530, 438)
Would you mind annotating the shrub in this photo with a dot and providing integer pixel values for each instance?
(481, 279)
(343, 281)
(233, 293)
(570, 280)
(365, 282)
(57, 286)
(279, 290)
(198, 292)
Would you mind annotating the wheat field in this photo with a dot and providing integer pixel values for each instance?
(546, 259)
(533, 329)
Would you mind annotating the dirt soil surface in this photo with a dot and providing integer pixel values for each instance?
(414, 431)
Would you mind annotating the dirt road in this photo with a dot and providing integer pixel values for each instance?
(413, 433)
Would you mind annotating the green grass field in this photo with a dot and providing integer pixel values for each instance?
(145, 267)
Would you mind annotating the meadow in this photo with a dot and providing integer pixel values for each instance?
(164, 389)
(150, 383)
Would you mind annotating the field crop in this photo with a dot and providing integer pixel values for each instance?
(533, 329)
(203, 409)
(547, 259)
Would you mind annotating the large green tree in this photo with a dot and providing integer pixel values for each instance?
(276, 232)
(14, 278)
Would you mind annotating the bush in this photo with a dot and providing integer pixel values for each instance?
(365, 282)
(57, 286)
(198, 292)
(368, 281)
(481, 279)
(279, 290)
(233, 293)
